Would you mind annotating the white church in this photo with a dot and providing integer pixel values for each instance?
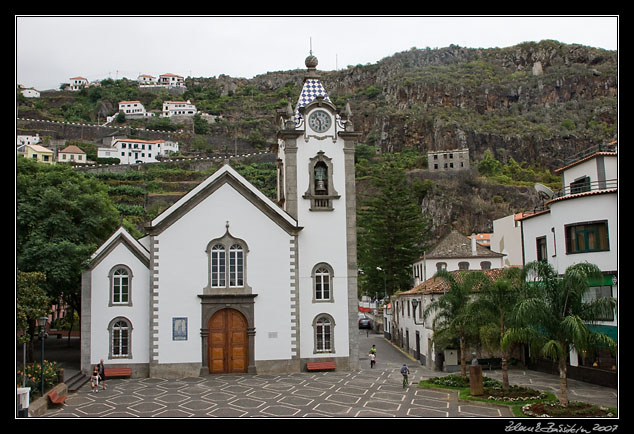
(227, 280)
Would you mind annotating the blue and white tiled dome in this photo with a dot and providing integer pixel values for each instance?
(311, 90)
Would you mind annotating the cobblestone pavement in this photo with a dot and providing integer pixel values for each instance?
(364, 393)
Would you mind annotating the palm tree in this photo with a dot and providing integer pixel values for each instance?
(554, 316)
(496, 301)
(453, 316)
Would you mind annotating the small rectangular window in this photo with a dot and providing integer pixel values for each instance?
(541, 249)
(587, 237)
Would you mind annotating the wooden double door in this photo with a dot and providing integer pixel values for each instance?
(228, 342)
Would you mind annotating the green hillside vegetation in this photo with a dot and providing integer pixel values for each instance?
(130, 190)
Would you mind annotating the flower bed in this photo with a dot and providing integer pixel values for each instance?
(514, 394)
(544, 405)
(458, 381)
(574, 409)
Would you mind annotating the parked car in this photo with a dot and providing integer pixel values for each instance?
(365, 322)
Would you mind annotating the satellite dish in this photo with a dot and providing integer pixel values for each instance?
(544, 192)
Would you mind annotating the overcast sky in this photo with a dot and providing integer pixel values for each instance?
(51, 49)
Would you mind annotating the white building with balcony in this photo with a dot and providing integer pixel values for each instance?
(178, 108)
(579, 223)
(135, 151)
(77, 83)
(132, 108)
(146, 79)
(171, 80)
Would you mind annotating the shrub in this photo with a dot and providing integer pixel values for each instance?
(33, 377)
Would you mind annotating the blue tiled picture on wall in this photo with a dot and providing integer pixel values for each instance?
(179, 329)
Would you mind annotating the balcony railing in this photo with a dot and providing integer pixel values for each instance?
(604, 147)
(608, 184)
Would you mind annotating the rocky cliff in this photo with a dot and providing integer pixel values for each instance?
(535, 102)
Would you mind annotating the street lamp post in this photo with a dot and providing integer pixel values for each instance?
(384, 281)
(41, 322)
(414, 305)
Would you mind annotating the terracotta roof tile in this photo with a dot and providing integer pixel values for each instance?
(436, 285)
(456, 245)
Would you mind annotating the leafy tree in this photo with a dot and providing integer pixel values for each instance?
(31, 303)
(391, 233)
(201, 126)
(489, 165)
(554, 318)
(61, 218)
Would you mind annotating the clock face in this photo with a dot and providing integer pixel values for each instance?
(319, 121)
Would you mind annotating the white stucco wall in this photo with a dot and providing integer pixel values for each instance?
(183, 273)
(322, 239)
(102, 314)
(599, 207)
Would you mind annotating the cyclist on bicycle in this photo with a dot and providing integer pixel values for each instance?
(404, 373)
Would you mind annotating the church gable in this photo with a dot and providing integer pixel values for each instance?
(224, 176)
(121, 236)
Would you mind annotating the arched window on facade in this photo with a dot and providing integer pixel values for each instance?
(120, 332)
(324, 333)
(227, 260)
(120, 286)
(236, 265)
(322, 282)
(218, 266)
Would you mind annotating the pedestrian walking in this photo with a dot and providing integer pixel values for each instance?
(94, 379)
(102, 374)
(373, 356)
(405, 373)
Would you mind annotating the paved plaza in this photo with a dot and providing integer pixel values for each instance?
(364, 393)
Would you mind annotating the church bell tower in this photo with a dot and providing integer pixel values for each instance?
(316, 186)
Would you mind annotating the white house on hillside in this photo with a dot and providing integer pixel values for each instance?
(132, 108)
(28, 139)
(134, 151)
(77, 83)
(72, 154)
(29, 92)
(178, 108)
(171, 80)
(146, 79)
